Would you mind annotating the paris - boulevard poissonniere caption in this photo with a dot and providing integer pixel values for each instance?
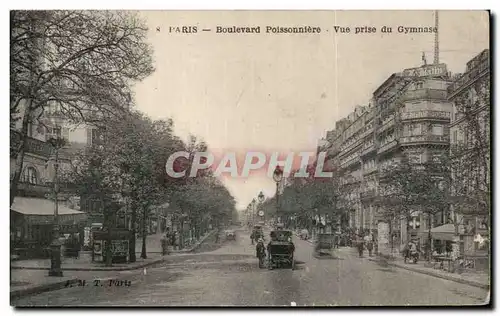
(363, 29)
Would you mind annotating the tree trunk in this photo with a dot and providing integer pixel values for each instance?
(391, 233)
(456, 238)
(181, 234)
(144, 233)
(107, 249)
(133, 220)
(20, 152)
(429, 237)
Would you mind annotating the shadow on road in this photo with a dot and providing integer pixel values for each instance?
(327, 257)
(391, 270)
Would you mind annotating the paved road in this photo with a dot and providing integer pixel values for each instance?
(230, 276)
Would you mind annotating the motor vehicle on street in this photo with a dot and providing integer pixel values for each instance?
(324, 245)
(281, 250)
(230, 234)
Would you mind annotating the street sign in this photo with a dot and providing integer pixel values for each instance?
(261, 213)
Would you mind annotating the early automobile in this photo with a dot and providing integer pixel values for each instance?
(324, 244)
(281, 250)
(230, 235)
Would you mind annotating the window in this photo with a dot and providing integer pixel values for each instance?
(30, 175)
(455, 137)
(419, 85)
(437, 130)
(415, 157)
(416, 129)
(436, 157)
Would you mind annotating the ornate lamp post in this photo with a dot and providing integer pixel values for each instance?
(254, 204)
(278, 177)
(55, 259)
(260, 198)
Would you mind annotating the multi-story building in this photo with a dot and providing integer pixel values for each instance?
(412, 119)
(470, 151)
(33, 207)
(408, 114)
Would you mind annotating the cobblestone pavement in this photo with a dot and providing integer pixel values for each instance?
(230, 276)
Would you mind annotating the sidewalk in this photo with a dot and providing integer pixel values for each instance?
(477, 279)
(84, 262)
(29, 277)
(481, 280)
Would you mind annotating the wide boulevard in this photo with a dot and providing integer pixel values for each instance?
(230, 276)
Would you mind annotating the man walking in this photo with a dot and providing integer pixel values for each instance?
(368, 239)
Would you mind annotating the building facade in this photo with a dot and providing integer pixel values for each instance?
(471, 151)
(409, 114)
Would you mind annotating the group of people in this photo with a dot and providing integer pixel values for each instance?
(367, 241)
(171, 239)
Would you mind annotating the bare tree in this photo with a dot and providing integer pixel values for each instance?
(82, 63)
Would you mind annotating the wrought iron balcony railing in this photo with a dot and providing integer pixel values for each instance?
(425, 94)
(33, 146)
(426, 114)
(387, 146)
(425, 139)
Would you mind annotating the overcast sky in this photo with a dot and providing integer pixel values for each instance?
(282, 92)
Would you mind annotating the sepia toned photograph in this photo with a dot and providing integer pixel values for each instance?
(250, 158)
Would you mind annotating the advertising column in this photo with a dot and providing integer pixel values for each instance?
(384, 246)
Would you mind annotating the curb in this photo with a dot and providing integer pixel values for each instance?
(437, 275)
(98, 268)
(160, 260)
(196, 246)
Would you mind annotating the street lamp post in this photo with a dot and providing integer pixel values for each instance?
(55, 247)
(260, 198)
(277, 177)
(254, 202)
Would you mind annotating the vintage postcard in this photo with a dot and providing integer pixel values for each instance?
(250, 158)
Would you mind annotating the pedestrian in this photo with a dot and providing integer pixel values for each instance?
(177, 240)
(368, 240)
(360, 246)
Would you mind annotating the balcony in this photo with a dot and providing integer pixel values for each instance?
(45, 190)
(388, 123)
(441, 115)
(443, 139)
(355, 144)
(350, 162)
(367, 150)
(33, 190)
(387, 146)
(366, 133)
(32, 146)
(482, 68)
(424, 94)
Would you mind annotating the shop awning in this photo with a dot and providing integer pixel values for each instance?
(445, 232)
(41, 211)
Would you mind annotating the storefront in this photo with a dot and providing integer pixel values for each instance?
(31, 227)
